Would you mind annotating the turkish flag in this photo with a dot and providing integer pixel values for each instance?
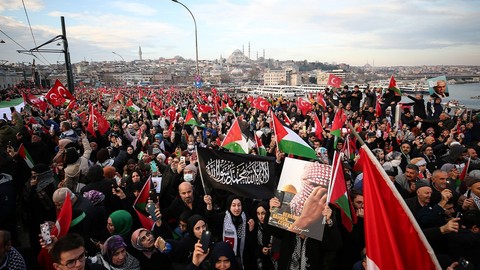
(58, 94)
(54, 97)
(204, 108)
(171, 112)
(63, 91)
(391, 232)
(35, 101)
(214, 91)
(304, 105)
(318, 127)
(334, 81)
(64, 218)
(321, 100)
(261, 104)
(103, 124)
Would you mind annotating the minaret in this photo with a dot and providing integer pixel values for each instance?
(140, 52)
(243, 49)
(263, 54)
(249, 50)
(257, 55)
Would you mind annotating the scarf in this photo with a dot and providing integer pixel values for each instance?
(299, 260)
(475, 198)
(233, 234)
(131, 263)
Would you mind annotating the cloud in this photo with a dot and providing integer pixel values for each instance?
(31, 5)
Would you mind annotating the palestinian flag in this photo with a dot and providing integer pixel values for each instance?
(190, 119)
(140, 204)
(338, 122)
(234, 140)
(290, 142)
(260, 147)
(132, 107)
(393, 86)
(22, 152)
(338, 194)
(465, 170)
(227, 108)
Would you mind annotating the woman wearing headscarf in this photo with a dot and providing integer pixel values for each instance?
(233, 227)
(180, 251)
(221, 258)
(38, 197)
(114, 255)
(120, 223)
(149, 257)
(262, 237)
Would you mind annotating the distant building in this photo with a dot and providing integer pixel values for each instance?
(237, 57)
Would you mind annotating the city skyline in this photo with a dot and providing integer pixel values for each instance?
(390, 33)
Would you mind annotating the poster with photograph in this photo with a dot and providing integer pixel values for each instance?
(300, 190)
(438, 87)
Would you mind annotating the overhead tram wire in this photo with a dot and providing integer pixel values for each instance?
(20, 45)
(31, 30)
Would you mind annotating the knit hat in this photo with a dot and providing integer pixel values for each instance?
(469, 181)
(421, 183)
(191, 167)
(418, 161)
(447, 167)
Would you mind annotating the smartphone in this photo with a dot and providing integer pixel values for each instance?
(205, 240)
(151, 210)
(114, 184)
(182, 159)
(45, 231)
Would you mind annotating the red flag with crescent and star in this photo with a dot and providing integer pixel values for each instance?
(261, 104)
(334, 81)
(304, 105)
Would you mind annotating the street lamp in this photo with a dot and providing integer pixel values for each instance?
(197, 77)
(119, 55)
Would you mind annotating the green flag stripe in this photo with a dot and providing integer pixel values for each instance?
(343, 203)
(297, 149)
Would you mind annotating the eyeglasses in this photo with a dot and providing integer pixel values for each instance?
(71, 263)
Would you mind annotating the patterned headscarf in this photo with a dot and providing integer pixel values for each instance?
(315, 174)
(111, 245)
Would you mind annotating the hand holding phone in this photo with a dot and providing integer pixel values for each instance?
(205, 240)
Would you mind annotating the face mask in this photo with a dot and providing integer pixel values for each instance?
(190, 147)
(396, 162)
(188, 177)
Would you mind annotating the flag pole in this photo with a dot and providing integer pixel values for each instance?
(200, 171)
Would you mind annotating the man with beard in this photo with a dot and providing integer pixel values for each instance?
(187, 202)
(407, 180)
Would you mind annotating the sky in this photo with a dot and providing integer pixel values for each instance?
(356, 32)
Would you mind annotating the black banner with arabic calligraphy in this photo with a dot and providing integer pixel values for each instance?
(249, 176)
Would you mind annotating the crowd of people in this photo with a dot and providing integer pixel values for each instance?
(429, 152)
